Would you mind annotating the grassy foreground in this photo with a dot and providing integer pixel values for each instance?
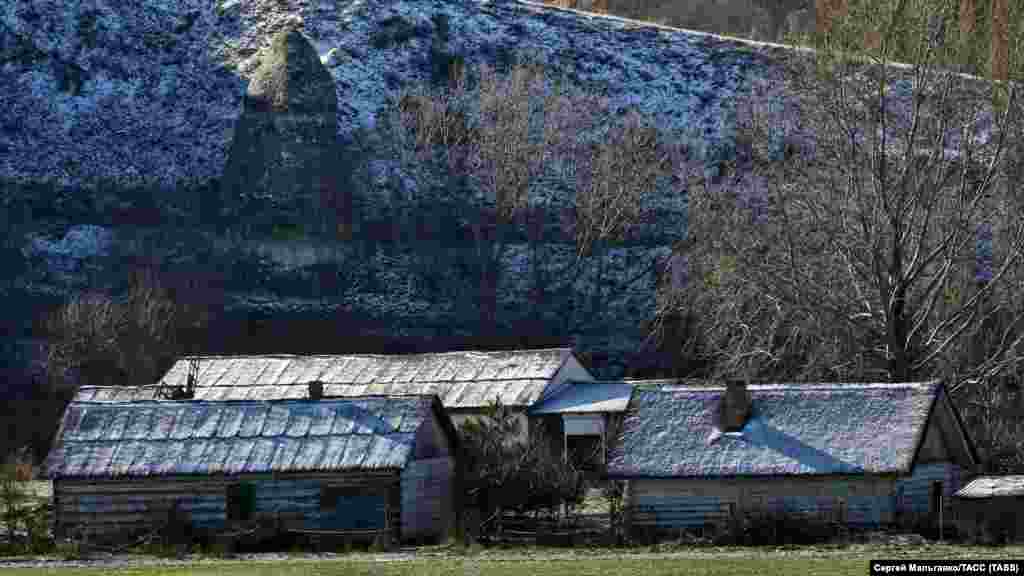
(577, 567)
(723, 562)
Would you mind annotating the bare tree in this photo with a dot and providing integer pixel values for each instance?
(99, 339)
(513, 142)
(871, 226)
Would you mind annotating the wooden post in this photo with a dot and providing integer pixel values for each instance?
(1000, 39)
(604, 445)
(565, 443)
(733, 523)
(627, 508)
(940, 517)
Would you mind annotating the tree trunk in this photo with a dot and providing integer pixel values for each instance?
(1000, 39)
(826, 11)
(967, 16)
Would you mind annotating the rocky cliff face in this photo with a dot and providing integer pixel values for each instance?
(137, 127)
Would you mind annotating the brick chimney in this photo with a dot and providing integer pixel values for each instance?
(734, 406)
(316, 390)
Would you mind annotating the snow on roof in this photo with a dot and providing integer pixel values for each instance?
(587, 397)
(993, 487)
(463, 379)
(794, 429)
(130, 439)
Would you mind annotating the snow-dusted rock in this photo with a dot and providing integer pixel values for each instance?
(78, 244)
(99, 95)
(284, 144)
(149, 92)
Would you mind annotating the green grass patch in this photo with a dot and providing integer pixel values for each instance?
(803, 561)
(470, 567)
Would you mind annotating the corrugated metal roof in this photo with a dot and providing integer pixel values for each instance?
(465, 379)
(145, 438)
(794, 429)
(588, 397)
(993, 487)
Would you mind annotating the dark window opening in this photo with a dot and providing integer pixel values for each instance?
(585, 452)
(241, 501)
(936, 497)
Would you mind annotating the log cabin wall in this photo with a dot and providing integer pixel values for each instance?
(427, 499)
(111, 508)
(671, 504)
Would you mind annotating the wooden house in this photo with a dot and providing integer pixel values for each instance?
(466, 381)
(871, 454)
(361, 466)
(585, 417)
(991, 508)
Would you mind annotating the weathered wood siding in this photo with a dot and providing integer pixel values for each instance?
(428, 498)
(988, 519)
(913, 492)
(689, 503)
(431, 441)
(364, 506)
(98, 507)
(114, 506)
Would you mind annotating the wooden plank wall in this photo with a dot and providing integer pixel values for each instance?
(678, 503)
(427, 499)
(985, 518)
(912, 493)
(137, 505)
(298, 500)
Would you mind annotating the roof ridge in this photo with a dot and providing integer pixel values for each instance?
(195, 401)
(373, 354)
(802, 386)
(120, 386)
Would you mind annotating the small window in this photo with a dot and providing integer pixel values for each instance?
(241, 501)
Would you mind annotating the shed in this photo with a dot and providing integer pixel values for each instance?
(372, 465)
(584, 413)
(872, 454)
(991, 508)
(466, 381)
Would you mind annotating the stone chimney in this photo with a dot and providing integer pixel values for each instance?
(734, 407)
(316, 390)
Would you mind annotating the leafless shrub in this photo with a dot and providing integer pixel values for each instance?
(102, 340)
